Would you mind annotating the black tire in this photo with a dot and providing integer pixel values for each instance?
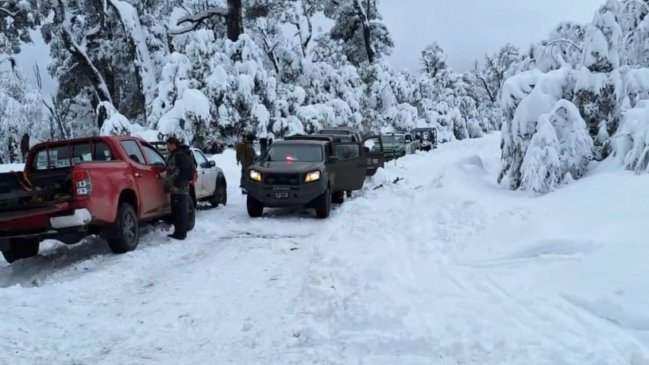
(255, 207)
(191, 213)
(338, 197)
(220, 192)
(21, 249)
(371, 172)
(322, 205)
(124, 235)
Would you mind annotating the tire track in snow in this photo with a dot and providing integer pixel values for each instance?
(399, 294)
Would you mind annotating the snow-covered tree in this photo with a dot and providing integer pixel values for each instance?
(433, 59)
(358, 25)
(21, 112)
(17, 18)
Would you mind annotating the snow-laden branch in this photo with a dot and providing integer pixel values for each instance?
(195, 20)
(98, 82)
(637, 2)
(9, 13)
(563, 40)
(200, 17)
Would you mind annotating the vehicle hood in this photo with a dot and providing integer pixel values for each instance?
(287, 167)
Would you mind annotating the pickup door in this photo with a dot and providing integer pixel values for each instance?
(375, 159)
(148, 173)
(351, 167)
(206, 183)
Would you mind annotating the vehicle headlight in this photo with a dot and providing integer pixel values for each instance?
(255, 175)
(312, 176)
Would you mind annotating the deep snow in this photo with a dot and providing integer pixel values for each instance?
(442, 267)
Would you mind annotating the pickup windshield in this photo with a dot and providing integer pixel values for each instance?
(295, 152)
(64, 156)
(393, 139)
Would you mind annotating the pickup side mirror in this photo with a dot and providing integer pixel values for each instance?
(208, 164)
(332, 159)
(366, 149)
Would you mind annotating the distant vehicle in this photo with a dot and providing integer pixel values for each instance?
(307, 171)
(211, 185)
(375, 157)
(397, 145)
(72, 188)
(427, 138)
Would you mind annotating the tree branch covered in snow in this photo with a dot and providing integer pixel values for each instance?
(87, 67)
(196, 20)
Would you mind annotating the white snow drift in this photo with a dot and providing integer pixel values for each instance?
(432, 263)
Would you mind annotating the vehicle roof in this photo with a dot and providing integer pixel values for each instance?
(300, 141)
(347, 130)
(85, 139)
(337, 137)
(423, 129)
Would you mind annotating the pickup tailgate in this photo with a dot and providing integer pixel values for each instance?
(30, 220)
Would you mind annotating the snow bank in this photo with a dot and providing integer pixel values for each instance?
(116, 123)
(509, 287)
(188, 117)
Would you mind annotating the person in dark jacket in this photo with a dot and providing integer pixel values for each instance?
(180, 171)
(246, 156)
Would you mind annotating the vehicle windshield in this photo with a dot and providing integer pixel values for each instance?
(295, 153)
(425, 135)
(64, 156)
(394, 139)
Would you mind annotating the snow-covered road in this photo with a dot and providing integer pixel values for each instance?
(441, 267)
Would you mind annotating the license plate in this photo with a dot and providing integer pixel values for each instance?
(283, 195)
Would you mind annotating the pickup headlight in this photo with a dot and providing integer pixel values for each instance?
(312, 176)
(255, 175)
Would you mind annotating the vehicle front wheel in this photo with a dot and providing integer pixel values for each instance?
(255, 208)
(322, 205)
(21, 249)
(124, 235)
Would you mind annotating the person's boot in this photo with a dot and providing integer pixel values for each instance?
(176, 236)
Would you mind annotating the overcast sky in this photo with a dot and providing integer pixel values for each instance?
(467, 29)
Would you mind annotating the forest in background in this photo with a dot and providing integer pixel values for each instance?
(209, 71)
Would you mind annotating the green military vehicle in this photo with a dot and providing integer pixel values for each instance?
(375, 157)
(397, 145)
(427, 138)
(309, 171)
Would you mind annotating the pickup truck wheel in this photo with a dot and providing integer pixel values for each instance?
(323, 205)
(124, 235)
(21, 249)
(255, 207)
(220, 192)
(371, 172)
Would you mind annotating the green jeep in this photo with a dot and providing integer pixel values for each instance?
(396, 145)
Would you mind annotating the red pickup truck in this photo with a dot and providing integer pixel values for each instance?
(72, 188)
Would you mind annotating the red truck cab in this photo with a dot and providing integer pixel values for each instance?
(95, 185)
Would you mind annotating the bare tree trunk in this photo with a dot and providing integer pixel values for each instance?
(234, 20)
(365, 22)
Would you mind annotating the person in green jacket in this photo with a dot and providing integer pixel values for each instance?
(246, 156)
(180, 171)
